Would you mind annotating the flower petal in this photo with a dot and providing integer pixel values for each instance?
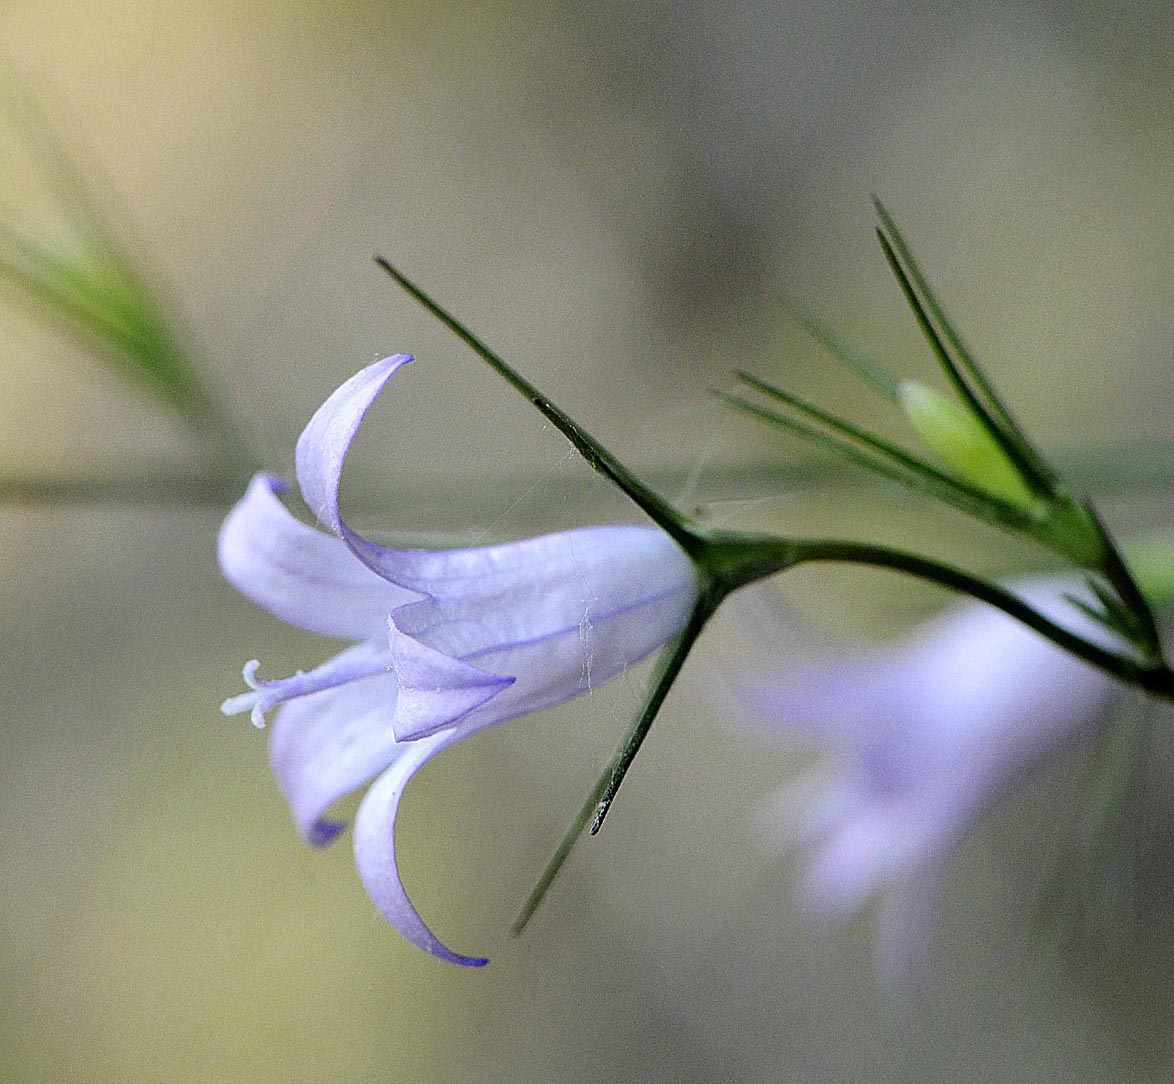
(545, 582)
(936, 729)
(435, 691)
(557, 612)
(572, 660)
(375, 848)
(327, 744)
(299, 574)
(832, 703)
(494, 597)
(323, 446)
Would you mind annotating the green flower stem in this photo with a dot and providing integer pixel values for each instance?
(751, 558)
(728, 561)
(599, 800)
(663, 514)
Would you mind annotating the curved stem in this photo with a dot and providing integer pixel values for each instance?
(1156, 679)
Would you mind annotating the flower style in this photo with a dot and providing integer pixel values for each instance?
(447, 642)
(931, 732)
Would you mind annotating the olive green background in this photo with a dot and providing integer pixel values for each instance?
(617, 197)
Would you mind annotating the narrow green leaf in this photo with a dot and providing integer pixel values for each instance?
(597, 456)
(958, 360)
(1007, 441)
(600, 799)
(147, 360)
(93, 290)
(981, 497)
(867, 370)
(889, 460)
(948, 492)
(1108, 618)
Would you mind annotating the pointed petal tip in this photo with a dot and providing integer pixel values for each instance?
(470, 961)
(436, 691)
(374, 845)
(322, 832)
(323, 445)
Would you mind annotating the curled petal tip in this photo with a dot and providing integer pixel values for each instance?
(436, 691)
(374, 840)
(322, 833)
(484, 635)
(322, 448)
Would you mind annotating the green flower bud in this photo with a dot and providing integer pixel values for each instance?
(962, 441)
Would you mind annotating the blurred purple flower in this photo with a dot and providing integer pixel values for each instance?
(927, 735)
(448, 642)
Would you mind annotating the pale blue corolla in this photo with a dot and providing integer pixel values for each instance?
(925, 735)
(446, 642)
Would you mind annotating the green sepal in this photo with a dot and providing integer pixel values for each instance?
(873, 453)
(962, 441)
(1113, 614)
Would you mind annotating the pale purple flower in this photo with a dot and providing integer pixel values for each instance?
(925, 736)
(447, 642)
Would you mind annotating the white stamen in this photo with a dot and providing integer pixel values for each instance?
(249, 673)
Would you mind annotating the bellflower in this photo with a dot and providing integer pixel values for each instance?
(445, 643)
(929, 733)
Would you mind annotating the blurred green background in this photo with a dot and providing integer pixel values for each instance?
(614, 196)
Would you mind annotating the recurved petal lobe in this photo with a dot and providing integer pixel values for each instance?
(299, 574)
(538, 578)
(325, 745)
(375, 854)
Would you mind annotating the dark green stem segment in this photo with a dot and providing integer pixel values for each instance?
(663, 514)
(622, 761)
(1155, 678)
(598, 802)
